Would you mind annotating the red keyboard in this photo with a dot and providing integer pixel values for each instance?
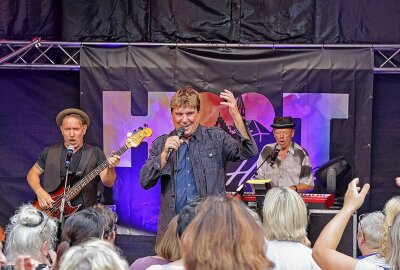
(313, 201)
(318, 200)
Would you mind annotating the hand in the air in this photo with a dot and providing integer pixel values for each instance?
(354, 198)
(229, 101)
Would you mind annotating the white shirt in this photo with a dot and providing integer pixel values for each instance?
(366, 265)
(287, 255)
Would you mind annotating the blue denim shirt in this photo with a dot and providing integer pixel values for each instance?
(210, 148)
(185, 183)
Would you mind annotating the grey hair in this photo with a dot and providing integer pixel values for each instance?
(371, 226)
(394, 244)
(29, 228)
(284, 215)
(95, 254)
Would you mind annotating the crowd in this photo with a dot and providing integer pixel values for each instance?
(216, 232)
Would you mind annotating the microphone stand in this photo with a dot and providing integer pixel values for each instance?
(240, 189)
(62, 206)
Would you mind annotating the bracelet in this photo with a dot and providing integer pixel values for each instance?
(295, 187)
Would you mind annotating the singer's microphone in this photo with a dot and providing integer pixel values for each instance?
(275, 155)
(179, 133)
(70, 151)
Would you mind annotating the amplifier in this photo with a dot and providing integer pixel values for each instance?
(318, 218)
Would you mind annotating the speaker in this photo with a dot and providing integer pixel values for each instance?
(318, 218)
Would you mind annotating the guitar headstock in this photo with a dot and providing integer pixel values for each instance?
(137, 136)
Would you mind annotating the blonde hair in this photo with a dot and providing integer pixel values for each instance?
(223, 235)
(168, 246)
(394, 241)
(391, 210)
(95, 254)
(185, 97)
(284, 215)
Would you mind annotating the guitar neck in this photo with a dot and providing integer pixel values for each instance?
(74, 191)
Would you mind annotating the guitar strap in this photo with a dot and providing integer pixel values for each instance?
(86, 153)
(52, 178)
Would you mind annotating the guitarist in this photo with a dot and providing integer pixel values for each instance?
(73, 124)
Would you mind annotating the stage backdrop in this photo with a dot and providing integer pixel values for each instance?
(328, 92)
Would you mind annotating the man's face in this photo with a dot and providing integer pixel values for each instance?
(73, 131)
(187, 117)
(284, 137)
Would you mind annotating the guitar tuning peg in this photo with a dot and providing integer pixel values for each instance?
(140, 128)
(128, 134)
(134, 131)
(145, 125)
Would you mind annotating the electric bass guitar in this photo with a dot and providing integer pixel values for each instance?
(71, 192)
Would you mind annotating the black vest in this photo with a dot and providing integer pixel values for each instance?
(52, 177)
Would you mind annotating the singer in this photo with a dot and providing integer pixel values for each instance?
(80, 158)
(285, 162)
(196, 166)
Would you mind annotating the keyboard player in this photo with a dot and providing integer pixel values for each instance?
(285, 162)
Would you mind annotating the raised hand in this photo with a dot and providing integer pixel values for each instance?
(354, 198)
(230, 102)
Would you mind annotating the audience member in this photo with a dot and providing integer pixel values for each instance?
(391, 210)
(167, 249)
(285, 224)
(370, 237)
(186, 215)
(31, 233)
(3, 260)
(394, 244)
(324, 251)
(95, 254)
(224, 235)
(110, 222)
(80, 227)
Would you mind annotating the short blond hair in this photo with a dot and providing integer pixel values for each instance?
(284, 215)
(168, 245)
(185, 97)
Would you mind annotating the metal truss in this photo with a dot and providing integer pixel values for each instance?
(52, 55)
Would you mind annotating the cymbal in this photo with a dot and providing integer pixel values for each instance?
(258, 181)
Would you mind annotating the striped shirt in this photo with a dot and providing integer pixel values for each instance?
(294, 169)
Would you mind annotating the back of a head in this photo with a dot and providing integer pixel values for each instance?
(371, 227)
(394, 244)
(29, 228)
(284, 215)
(186, 215)
(391, 210)
(110, 219)
(78, 228)
(94, 254)
(83, 225)
(168, 245)
(185, 97)
(224, 235)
